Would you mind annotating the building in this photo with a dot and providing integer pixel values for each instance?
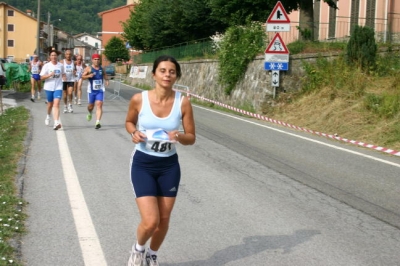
(18, 31)
(336, 24)
(111, 22)
(85, 50)
(89, 39)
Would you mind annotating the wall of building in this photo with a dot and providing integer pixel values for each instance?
(25, 28)
(111, 24)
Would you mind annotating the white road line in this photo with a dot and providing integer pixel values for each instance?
(305, 138)
(90, 245)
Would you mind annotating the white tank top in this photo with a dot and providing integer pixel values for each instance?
(35, 67)
(156, 128)
(79, 72)
(69, 71)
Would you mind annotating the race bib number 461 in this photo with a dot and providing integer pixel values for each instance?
(158, 141)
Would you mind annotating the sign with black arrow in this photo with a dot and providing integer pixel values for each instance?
(275, 78)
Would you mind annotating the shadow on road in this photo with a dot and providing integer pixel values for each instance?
(253, 245)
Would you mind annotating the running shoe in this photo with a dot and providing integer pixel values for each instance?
(136, 258)
(57, 126)
(38, 96)
(65, 109)
(89, 117)
(47, 121)
(151, 260)
(79, 101)
(97, 125)
(70, 110)
(32, 99)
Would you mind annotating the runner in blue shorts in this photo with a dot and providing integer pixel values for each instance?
(153, 120)
(53, 73)
(35, 66)
(96, 88)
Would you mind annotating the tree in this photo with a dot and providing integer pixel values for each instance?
(115, 49)
(362, 49)
(236, 12)
(155, 24)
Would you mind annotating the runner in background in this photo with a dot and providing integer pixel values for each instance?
(35, 66)
(97, 78)
(68, 83)
(79, 66)
(53, 73)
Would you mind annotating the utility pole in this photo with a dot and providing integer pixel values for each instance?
(38, 31)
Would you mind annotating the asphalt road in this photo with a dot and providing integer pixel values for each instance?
(252, 193)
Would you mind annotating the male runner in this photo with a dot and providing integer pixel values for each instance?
(35, 66)
(68, 83)
(96, 76)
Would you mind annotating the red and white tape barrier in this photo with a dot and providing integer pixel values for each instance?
(261, 117)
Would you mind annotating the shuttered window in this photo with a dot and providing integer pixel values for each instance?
(332, 21)
(317, 8)
(355, 11)
(370, 14)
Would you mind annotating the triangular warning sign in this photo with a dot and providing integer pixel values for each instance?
(277, 46)
(278, 14)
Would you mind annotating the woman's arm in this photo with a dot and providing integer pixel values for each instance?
(132, 116)
(189, 135)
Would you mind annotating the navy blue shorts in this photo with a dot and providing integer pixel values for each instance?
(36, 77)
(155, 176)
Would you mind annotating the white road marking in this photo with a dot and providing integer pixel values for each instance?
(305, 138)
(90, 245)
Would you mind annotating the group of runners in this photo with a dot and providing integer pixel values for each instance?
(63, 79)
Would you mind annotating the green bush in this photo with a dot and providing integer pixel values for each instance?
(362, 49)
(385, 105)
(238, 47)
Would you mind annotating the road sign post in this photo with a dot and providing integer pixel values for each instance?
(278, 20)
(277, 54)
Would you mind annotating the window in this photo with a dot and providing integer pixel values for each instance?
(10, 13)
(355, 11)
(10, 27)
(10, 43)
(332, 21)
(370, 21)
(317, 26)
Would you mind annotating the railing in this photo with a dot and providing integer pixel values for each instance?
(188, 50)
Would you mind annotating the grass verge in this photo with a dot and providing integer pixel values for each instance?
(13, 130)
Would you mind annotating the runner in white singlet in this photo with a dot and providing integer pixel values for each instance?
(35, 66)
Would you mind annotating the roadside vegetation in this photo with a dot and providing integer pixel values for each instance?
(356, 96)
(13, 130)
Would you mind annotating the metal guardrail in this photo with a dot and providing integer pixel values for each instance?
(118, 79)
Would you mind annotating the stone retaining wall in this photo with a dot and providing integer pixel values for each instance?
(255, 90)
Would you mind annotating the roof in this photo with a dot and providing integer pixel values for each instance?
(16, 9)
(85, 34)
(78, 43)
(100, 14)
